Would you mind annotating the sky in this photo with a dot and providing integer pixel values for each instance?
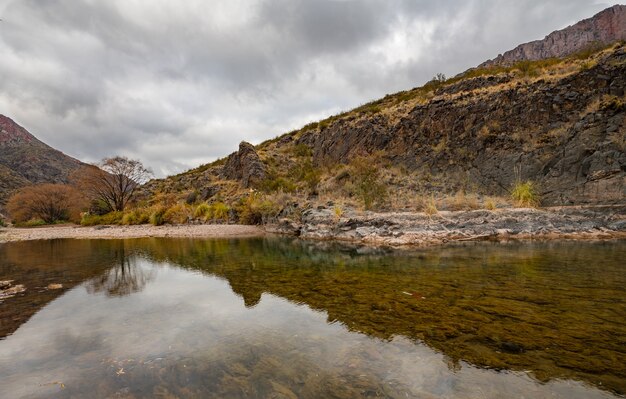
(177, 84)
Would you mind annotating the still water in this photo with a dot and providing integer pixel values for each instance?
(285, 318)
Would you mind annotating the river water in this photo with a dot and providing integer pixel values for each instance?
(286, 318)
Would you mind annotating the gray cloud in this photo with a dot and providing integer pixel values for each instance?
(177, 84)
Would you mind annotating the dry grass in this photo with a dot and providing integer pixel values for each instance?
(525, 194)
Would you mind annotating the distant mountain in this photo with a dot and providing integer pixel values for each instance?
(606, 27)
(25, 160)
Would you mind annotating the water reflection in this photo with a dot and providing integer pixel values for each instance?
(530, 320)
(124, 278)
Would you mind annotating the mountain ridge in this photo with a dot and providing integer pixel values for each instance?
(25, 160)
(607, 26)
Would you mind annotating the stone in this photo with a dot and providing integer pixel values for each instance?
(12, 291)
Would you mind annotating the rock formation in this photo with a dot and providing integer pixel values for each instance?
(568, 134)
(605, 27)
(245, 166)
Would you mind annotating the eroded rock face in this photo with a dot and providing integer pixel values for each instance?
(605, 27)
(245, 166)
(567, 134)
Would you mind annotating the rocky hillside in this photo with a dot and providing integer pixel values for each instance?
(560, 123)
(603, 28)
(25, 160)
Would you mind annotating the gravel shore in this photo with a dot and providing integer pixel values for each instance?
(113, 232)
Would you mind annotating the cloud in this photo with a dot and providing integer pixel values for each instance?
(177, 84)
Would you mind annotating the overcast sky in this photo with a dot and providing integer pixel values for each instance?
(180, 83)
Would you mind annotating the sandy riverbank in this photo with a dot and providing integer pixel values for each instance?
(113, 232)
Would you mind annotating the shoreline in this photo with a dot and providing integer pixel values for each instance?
(378, 229)
(413, 229)
(12, 234)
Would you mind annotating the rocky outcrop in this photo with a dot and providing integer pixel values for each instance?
(245, 166)
(25, 160)
(419, 229)
(566, 133)
(605, 27)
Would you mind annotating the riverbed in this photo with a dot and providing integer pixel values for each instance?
(284, 318)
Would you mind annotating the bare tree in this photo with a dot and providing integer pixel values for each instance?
(113, 181)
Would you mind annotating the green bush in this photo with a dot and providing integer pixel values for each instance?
(136, 216)
(108, 218)
(220, 211)
(302, 150)
(524, 194)
(31, 223)
(306, 173)
(203, 211)
(177, 214)
(156, 217)
(257, 210)
(367, 182)
(272, 184)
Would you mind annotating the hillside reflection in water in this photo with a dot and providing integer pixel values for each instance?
(289, 318)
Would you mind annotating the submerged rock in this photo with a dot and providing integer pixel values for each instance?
(8, 290)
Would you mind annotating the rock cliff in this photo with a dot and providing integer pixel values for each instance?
(565, 131)
(605, 27)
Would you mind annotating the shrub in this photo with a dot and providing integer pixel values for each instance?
(48, 202)
(524, 194)
(338, 212)
(31, 223)
(136, 216)
(302, 150)
(527, 68)
(612, 103)
(177, 214)
(367, 185)
(156, 217)
(109, 218)
(203, 211)
(257, 210)
(490, 204)
(270, 185)
(306, 173)
(430, 207)
(220, 211)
